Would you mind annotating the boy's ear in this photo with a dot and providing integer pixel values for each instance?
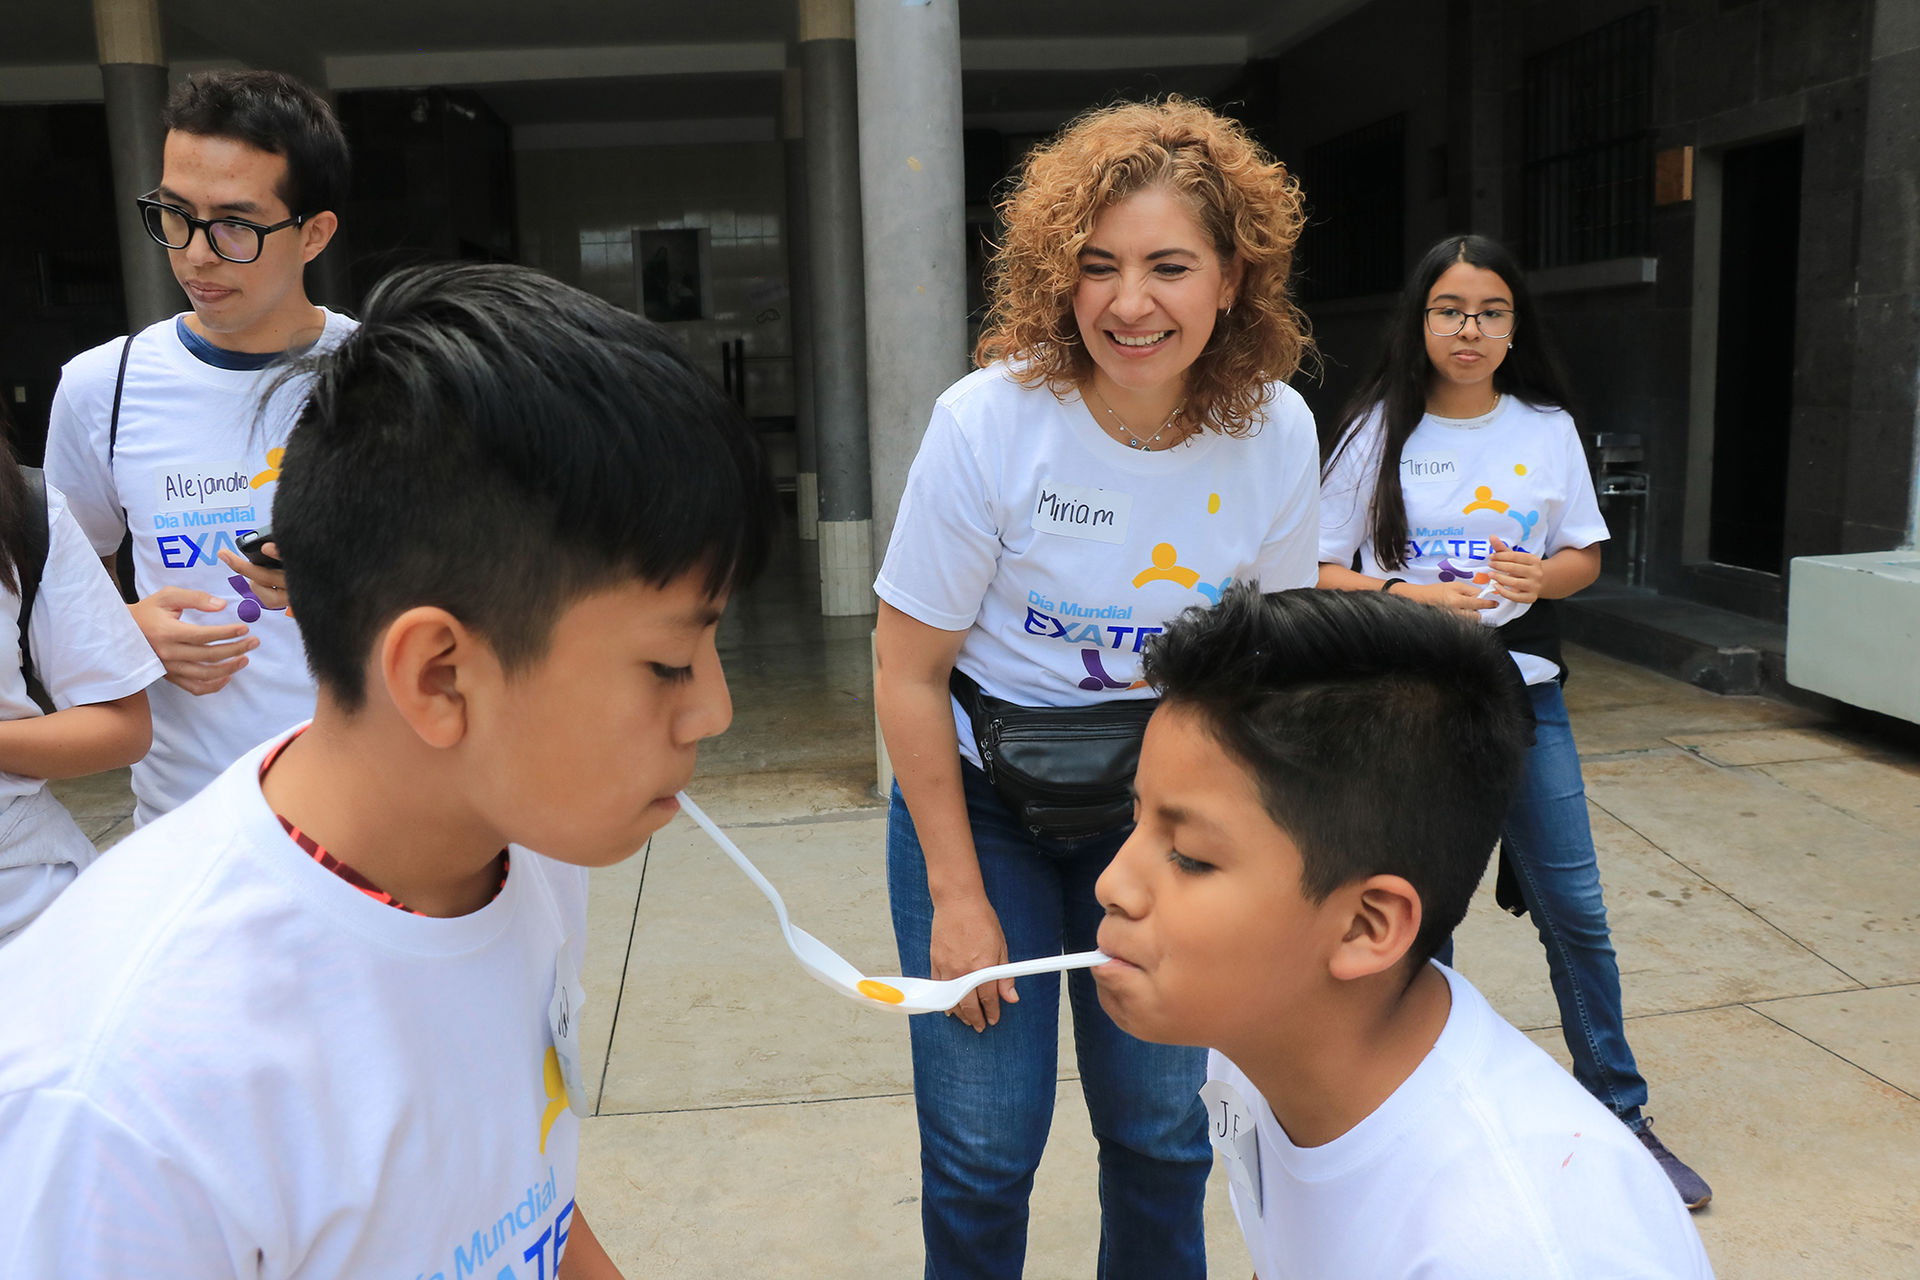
(429, 662)
(316, 233)
(1383, 919)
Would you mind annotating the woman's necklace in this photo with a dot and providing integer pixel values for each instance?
(1133, 441)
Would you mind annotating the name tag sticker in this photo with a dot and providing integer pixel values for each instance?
(563, 1020)
(1429, 468)
(1077, 511)
(1231, 1129)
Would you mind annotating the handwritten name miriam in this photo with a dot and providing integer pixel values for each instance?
(1069, 511)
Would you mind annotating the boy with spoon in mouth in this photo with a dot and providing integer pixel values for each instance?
(1317, 797)
(321, 1020)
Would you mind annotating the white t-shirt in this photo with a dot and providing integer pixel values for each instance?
(1517, 474)
(222, 1059)
(1060, 551)
(194, 468)
(1489, 1162)
(86, 648)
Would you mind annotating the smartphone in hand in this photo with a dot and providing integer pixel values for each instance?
(250, 545)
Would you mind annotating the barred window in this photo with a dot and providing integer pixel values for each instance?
(1589, 145)
(1355, 188)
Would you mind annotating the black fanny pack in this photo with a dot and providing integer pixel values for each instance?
(1065, 772)
(1536, 633)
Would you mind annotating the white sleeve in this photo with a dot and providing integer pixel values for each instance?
(946, 539)
(77, 461)
(1289, 555)
(86, 647)
(83, 1195)
(1346, 494)
(1580, 524)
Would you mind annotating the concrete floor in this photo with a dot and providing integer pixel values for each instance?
(1761, 871)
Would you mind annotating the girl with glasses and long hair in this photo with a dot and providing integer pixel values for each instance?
(1456, 478)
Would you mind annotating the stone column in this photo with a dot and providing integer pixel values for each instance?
(1883, 457)
(1480, 39)
(839, 321)
(133, 79)
(793, 136)
(913, 202)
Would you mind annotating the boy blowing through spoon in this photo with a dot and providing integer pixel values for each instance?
(1316, 799)
(311, 1023)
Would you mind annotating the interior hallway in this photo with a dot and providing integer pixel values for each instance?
(1760, 869)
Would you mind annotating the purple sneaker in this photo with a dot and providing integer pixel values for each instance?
(1693, 1189)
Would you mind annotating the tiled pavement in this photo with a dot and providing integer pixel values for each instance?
(1762, 870)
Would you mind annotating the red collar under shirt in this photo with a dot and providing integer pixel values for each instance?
(339, 868)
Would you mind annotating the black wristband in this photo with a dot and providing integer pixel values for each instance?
(1391, 583)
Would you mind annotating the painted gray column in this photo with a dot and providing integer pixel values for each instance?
(133, 79)
(793, 136)
(839, 305)
(913, 201)
(1883, 464)
(1480, 41)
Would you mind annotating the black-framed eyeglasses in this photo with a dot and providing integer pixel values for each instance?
(1444, 322)
(234, 239)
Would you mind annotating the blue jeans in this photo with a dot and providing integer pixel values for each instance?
(1551, 846)
(985, 1099)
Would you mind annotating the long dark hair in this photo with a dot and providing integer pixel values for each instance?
(1398, 382)
(13, 510)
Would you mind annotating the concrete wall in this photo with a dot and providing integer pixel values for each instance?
(1376, 63)
(1844, 74)
(577, 208)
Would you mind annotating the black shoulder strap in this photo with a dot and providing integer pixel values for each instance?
(123, 558)
(119, 386)
(34, 562)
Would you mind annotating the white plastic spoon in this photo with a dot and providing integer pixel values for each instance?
(908, 995)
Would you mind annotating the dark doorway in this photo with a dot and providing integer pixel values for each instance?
(59, 257)
(1753, 384)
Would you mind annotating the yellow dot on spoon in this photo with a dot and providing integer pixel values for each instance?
(1213, 504)
(878, 991)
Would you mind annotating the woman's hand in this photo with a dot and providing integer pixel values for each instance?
(1520, 575)
(1463, 598)
(966, 937)
(916, 717)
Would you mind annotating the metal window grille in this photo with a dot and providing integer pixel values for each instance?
(1355, 187)
(1589, 145)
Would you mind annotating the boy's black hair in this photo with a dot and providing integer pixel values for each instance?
(1384, 736)
(497, 443)
(1397, 384)
(277, 114)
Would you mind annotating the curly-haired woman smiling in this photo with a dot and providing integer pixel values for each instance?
(1127, 449)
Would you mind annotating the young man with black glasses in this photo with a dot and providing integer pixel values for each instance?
(169, 436)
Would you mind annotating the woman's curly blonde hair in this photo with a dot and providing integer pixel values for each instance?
(1245, 201)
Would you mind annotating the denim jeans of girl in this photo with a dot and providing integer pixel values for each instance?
(1551, 844)
(985, 1099)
